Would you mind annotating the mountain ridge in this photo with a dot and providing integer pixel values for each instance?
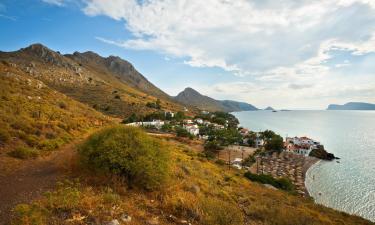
(108, 84)
(191, 97)
(352, 106)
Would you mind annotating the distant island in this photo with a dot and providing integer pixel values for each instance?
(352, 106)
(269, 108)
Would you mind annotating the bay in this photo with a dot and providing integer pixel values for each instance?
(347, 185)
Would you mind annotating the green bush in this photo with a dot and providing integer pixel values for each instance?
(31, 140)
(50, 145)
(4, 136)
(181, 132)
(29, 214)
(282, 183)
(128, 152)
(24, 153)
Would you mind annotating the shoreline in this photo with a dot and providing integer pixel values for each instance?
(289, 165)
(314, 161)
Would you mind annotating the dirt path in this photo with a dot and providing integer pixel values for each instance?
(33, 178)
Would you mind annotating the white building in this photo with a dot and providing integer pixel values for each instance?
(300, 145)
(156, 123)
(191, 128)
(199, 120)
(169, 113)
(259, 142)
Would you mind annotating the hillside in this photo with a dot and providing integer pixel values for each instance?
(193, 98)
(35, 119)
(352, 106)
(110, 85)
(196, 191)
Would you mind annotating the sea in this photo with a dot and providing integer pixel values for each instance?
(347, 184)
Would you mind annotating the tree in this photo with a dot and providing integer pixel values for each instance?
(181, 132)
(132, 118)
(179, 116)
(158, 104)
(276, 143)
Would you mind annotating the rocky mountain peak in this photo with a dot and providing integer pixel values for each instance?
(47, 55)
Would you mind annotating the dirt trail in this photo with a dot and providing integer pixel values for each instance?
(33, 178)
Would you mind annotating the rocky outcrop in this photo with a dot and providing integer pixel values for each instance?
(320, 153)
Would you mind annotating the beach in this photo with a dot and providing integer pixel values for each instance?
(285, 164)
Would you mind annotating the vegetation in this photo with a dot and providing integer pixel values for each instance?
(181, 132)
(24, 152)
(154, 105)
(282, 183)
(201, 192)
(221, 118)
(130, 153)
(36, 119)
(273, 141)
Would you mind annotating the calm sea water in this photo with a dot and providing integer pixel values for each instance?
(347, 186)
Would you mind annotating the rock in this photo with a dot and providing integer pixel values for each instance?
(270, 186)
(153, 221)
(186, 170)
(113, 222)
(125, 218)
(195, 189)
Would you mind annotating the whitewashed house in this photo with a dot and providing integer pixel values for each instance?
(192, 128)
(199, 120)
(156, 123)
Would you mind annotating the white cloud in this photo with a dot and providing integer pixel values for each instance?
(280, 44)
(55, 2)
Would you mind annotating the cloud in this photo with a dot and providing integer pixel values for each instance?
(281, 45)
(245, 37)
(55, 2)
(300, 86)
(8, 17)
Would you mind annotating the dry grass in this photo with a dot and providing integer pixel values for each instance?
(198, 191)
(36, 119)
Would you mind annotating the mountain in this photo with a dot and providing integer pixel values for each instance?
(193, 98)
(269, 108)
(352, 106)
(108, 84)
(238, 106)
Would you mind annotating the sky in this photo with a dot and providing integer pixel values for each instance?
(288, 54)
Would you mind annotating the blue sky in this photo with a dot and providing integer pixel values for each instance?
(287, 54)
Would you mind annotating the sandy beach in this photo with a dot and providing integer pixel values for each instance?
(285, 164)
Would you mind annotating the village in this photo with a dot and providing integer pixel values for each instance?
(258, 152)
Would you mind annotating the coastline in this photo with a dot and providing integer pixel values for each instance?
(313, 161)
(286, 164)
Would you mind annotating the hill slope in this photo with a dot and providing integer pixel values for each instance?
(110, 85)
(198, 191)
(37, 118)
(193, 98)
(352, 106)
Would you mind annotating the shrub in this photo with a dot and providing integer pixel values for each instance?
(181, 132)
(62, 105)
(220, 162)
(52, 144)
(282, 183)
(29, 214)
(24, 153)
(4, 136)
(128, 152)
(31, 140)
(217, 212)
